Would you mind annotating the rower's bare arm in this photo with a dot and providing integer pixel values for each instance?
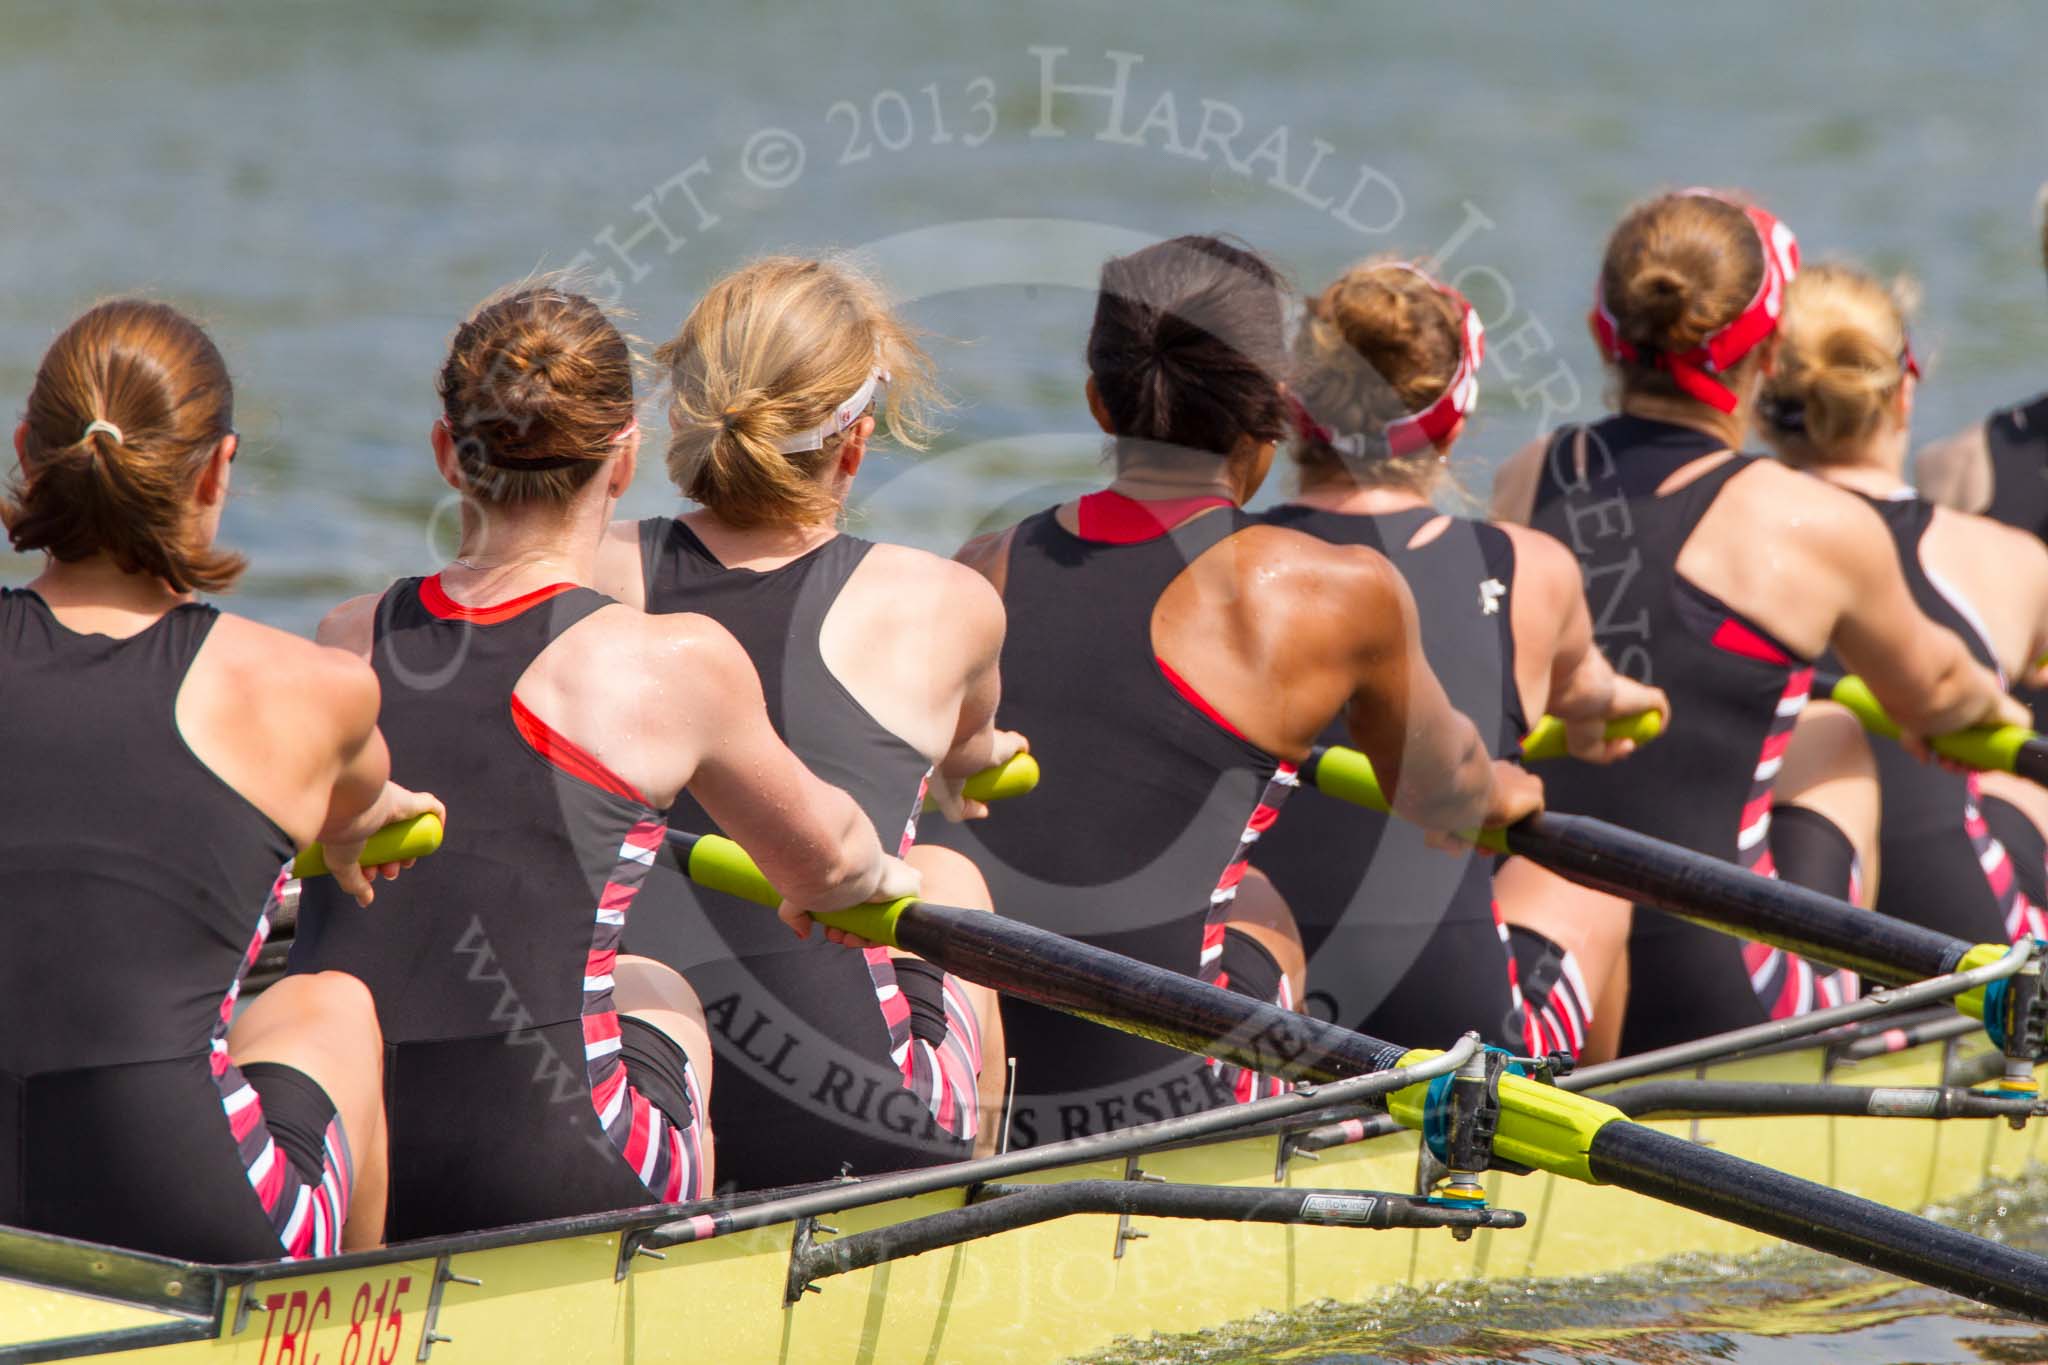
(973, 611)
(362, 799)
(1921, 672)
(1582, 689)
(809, 837)
(619, 573)
(1956, 470)
(2024, 561)
(1514, 484)
(1432, 763)
(352, 626)
(989, 556)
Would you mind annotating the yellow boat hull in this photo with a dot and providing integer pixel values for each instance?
(1039, 1293)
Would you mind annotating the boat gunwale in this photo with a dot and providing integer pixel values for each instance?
(647, 1227)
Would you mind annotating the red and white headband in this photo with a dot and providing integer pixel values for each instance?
(1694, 370)
(1435, 423)
(843, 416)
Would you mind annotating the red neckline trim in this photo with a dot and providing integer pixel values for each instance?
(571, 757)
(436, 600)
(1113, 518)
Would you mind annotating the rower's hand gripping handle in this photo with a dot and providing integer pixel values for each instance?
(1983, 748)
(395, 843)
(1345, 773)
(1547, 739)
(718, 864)
(1014, 777)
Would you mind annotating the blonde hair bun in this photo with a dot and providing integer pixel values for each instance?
(1842, 354)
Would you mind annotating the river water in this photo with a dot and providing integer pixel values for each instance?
(332, 187)
(1788, 1307)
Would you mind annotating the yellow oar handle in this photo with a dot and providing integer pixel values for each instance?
(1014, 777)
(718, 864)
(397, 843)
(1547, 739)
(1347, 775)
(1983, 747)
(1540, 1125)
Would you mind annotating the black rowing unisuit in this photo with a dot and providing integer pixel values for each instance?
(806, 1085)
(1942, 867)
(1735, 695)
(1138, 818)
(514, 1093)
(2016, 439)
(134, 885)
(1402, 940)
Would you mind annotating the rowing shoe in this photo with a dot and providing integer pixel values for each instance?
(1536, 1126)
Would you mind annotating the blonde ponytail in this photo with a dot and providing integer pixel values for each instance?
(769, 353)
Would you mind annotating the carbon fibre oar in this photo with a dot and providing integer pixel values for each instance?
(1986, 748)
(1539, 1126)
(1695, 887)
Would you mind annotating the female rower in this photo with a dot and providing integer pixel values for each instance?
(534, 1071)
(879, 665)
(164, 760)
(1172, 661)
(1721, 577)
(1839, 404)
(1999, 467)
(1402, 942)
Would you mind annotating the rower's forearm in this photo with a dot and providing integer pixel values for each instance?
(1587, 692)
(1962, 696)
(357, 791)
(969, 756)
(853, 874)
(1445, 796)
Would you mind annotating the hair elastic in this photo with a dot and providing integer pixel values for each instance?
(100, 424)
(1693, 370)
(843, 416)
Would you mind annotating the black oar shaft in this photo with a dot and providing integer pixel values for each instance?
(1065, 974)
(1030, 964)
(1723, 896)
(1565, 1133)
(1669, 1168)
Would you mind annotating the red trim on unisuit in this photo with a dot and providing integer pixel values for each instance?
(1114, 519)
(569, 756)
(435, 599)
(1194, 698)
(1738, 638)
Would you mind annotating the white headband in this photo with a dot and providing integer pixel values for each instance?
(843, 416)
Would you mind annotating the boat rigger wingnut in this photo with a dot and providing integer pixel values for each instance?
(1460, 1115)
